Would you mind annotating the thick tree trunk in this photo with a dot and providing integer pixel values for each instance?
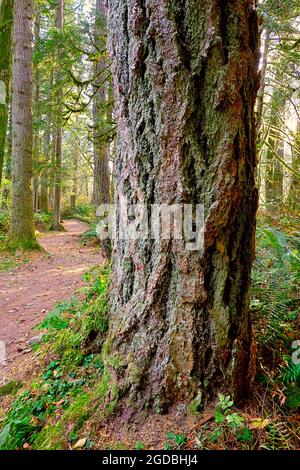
(6, 17)
(56, 225)
(21, 232)
(185, 80)
(101, 192)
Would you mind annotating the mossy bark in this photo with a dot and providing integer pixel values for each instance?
(185, 82)
(21, 231)
(6, 17)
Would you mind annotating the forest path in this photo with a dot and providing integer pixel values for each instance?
(30, 291)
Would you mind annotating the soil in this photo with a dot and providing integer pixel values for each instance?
(30, 291)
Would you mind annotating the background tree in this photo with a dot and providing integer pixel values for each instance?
(6, 16)
(21, 231)
(278, 101)
(56, 225)
(100, 131)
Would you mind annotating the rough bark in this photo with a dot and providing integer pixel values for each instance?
(6, 17)
(21, 232)
(56, 225)
(185, 81)
(101, 191)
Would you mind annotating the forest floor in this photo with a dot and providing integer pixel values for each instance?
(30, 290)
(60, 393)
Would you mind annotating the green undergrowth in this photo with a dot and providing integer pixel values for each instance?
(231, 428)
(78, 325)
(84, 212)
(49, 412)
(42, 221)
(90, 236)
(76, 391)
(275, 309)
(10, 388)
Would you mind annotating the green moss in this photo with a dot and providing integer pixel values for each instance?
(197, 404)
(26, 244)
(10, 388)
(115, 362)
(54, 437)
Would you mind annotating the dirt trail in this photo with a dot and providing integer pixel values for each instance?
(31, 290)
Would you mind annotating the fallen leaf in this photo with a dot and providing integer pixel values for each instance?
(259, 423)
(80, 444)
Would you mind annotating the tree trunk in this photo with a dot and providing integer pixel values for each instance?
(37, 119)
(73, 196)
(56, 225)
(261, 91)
(6, 17)
(21, 232)
(44, 177)
(185, 81)
(274, 172)
(294, 192)
(101, 191)
(8, 159)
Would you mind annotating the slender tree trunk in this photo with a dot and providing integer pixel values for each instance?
(21, 231)
(101, 191)
(185, 80)
(56, 225)
(44, 176)
(6, 17)
(52, 174)
(75, 182)
(294, 192)
(274, 171)
(261, 91)
(37, 118)
(8, 162)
